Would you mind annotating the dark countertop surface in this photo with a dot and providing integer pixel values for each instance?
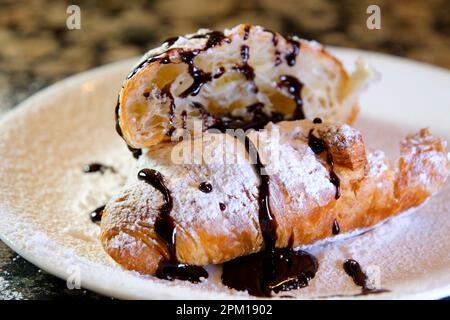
(37, 50)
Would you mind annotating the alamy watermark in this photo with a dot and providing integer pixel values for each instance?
(373, 22)
(73, 21)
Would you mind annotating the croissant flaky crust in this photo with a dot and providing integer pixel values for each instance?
(223, 224)
(242, 76)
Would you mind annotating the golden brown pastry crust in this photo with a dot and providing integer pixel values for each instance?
(152, 104)
(302, 198)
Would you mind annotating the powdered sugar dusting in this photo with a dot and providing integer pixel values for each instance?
(296, 167)
(45, 197)
(377, 161)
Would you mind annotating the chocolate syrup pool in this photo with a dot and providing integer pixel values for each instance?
(274, 270)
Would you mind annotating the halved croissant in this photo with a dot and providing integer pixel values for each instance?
(223, 224)
(243, 75)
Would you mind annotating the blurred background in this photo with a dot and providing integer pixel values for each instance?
(37, 49)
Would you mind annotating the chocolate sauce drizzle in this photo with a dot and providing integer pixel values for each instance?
(135, 152)
(294, 87)
(246, 32)
(183, 119)
(335, 229)
(96, 215)
(116, 116)
(170, 41)
(278, 60)
(245, 68)
(259, 120)
(199, 77)
(317, 120)
(97, 167)
(273, 269)
(353, 269)
(292, 56)
(215, 38)
(166, 92)
(141, 65)
(205, 187)
(165, 228)
(334, 179)
(318, 145)
(220, 73)
(206, 116)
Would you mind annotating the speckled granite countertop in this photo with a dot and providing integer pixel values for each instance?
(37, 49)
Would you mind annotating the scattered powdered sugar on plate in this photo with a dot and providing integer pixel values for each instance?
(45, 200)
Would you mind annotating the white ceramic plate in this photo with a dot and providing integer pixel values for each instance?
(45, 198)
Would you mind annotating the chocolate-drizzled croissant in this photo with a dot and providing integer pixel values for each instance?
(242, 77)
(322, 173)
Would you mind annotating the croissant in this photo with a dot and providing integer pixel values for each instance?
(202, 196)
(242, 77)
(322, 180)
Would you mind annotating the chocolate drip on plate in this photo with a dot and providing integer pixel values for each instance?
(353, 269)
(261, 273)
(97, 167)
(165, 228)
(205, 187)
